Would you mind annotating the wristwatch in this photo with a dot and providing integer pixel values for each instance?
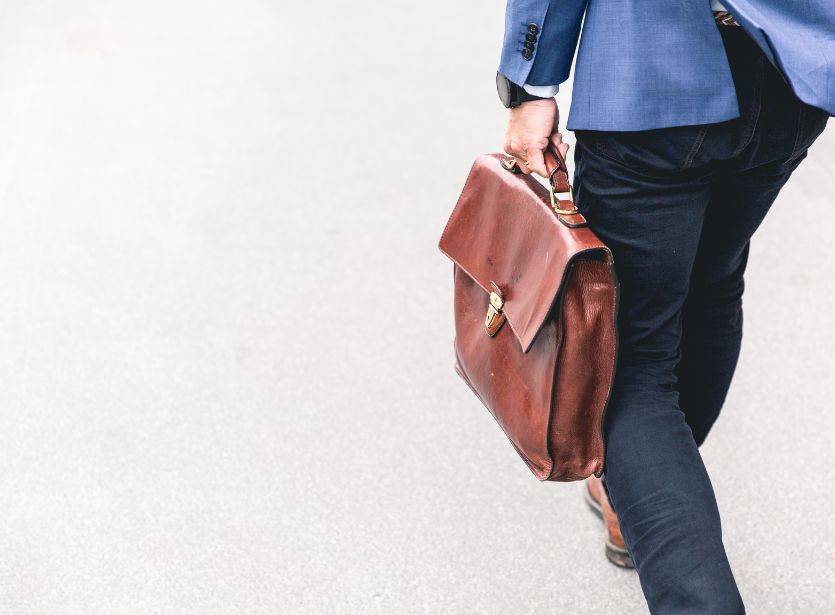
(512, 95)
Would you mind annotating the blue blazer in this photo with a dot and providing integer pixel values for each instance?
(645, 64)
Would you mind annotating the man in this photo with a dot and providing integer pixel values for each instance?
(689, 117)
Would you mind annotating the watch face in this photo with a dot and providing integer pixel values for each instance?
(503, 86)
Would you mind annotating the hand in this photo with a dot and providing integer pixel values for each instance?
(530, 127)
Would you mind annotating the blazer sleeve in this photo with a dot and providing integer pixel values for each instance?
(550, 28)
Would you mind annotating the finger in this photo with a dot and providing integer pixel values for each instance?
(556, 139)
(513, 149)
(557, 142)
(536, 162)
(518, 152)
(508, 147)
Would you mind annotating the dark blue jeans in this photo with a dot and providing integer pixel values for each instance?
(678, 207)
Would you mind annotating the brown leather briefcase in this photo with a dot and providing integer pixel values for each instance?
(535, 314)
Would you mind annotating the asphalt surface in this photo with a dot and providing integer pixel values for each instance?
(226, 377)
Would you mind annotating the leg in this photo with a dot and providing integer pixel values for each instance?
(680, 247)
(775, 132)
(652, 216)
(712, 330)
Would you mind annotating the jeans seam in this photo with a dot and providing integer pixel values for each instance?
(696, 146)
(796, 147)
(755, 116)
(600, 150)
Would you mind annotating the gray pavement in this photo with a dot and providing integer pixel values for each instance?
(226, 377)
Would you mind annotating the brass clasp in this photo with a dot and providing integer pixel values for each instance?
(494, 310)
(555, 203)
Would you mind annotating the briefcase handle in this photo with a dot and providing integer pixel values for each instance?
(557, 169)
(557, 179)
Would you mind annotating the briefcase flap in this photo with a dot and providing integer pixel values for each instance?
(503, 230)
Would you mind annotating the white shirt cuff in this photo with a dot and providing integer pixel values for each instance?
(544, 91)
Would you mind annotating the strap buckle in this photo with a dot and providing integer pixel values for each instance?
(555, 203)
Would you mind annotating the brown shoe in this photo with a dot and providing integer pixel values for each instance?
(598, 501)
